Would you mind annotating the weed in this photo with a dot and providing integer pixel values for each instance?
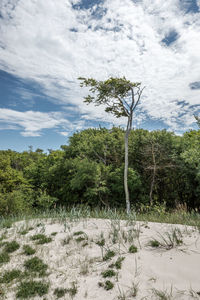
(154, 243)
(32, 288)
(108, 285)
(79, 233)
(108, 273)
(132, 249)
(73, 290)
(6, 223)
(28, 250)
(66, 240)
(59, 292)
(80, 239)
(3, 237)
(9, 276)
(11, 246)
(162, 295)
(36, 265)
(118, 263)
(171, 239)
(53, 233)
(4, 257)
(41, 239)
(23, 232)
(109, 254)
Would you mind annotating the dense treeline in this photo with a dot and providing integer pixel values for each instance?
(163, 168)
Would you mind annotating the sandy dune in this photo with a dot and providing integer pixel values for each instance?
(169, 271)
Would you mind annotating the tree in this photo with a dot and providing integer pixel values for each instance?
(120, 97)
(198, 120)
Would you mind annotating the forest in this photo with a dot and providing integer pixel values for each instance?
(164, 169)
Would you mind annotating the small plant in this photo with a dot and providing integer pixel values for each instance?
(32, 288)
(73, 290)
(171, 239)
(23, 232)
(3, 237)
(28, 250)
(9, 276)
(101, 244)
(80, 239)
(41, 239)
(36, 265)
(59, 292)
(132, 249)
(162, 295)
(154, 243)
(118, 263)
(6, 224)
(108, 285)
(11, 246)
(109, 254)
(66, 240)
(79, 233)
(4, 257)
(53, 233)
(108, 273)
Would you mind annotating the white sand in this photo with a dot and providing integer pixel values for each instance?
(175, 271)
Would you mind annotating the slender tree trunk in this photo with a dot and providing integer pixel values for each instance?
(153, 176)
(128, 209)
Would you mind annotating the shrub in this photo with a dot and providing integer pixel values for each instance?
(109, 254)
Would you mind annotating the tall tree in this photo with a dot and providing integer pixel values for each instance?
(120, 97)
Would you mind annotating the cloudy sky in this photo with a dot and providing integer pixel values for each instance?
(45, 45)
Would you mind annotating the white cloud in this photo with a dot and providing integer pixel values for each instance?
(37, 44)
(32, 123)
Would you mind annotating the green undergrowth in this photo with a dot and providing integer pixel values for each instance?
(32, 288)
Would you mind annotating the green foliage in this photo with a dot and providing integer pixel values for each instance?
(109, 254)
(28, 250)
(60, 292)
(89, 171)
(132, 249)
(41, 239)
(36, 265)
(4, 257)
(11, 246)
(9, 276)
(108, 273)
(32, 288)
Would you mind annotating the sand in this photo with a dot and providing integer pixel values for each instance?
(170, 271)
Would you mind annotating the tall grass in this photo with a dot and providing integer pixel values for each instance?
(82, 212)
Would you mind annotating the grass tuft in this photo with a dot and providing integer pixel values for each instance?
(11, 246)
(4, 257)
(32, 288)
(60, 292)
(41, 239)
(108, 273)
(28, 250)
(9, 276)
(109, 254)
(36, 265)
(132, 249)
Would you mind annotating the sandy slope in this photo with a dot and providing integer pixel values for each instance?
(174, 271)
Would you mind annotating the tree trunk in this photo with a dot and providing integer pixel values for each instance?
(128, 209)
(153, 176)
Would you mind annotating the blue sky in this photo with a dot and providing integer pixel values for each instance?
(46, 45)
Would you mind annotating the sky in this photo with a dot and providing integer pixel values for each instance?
(45, 45)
